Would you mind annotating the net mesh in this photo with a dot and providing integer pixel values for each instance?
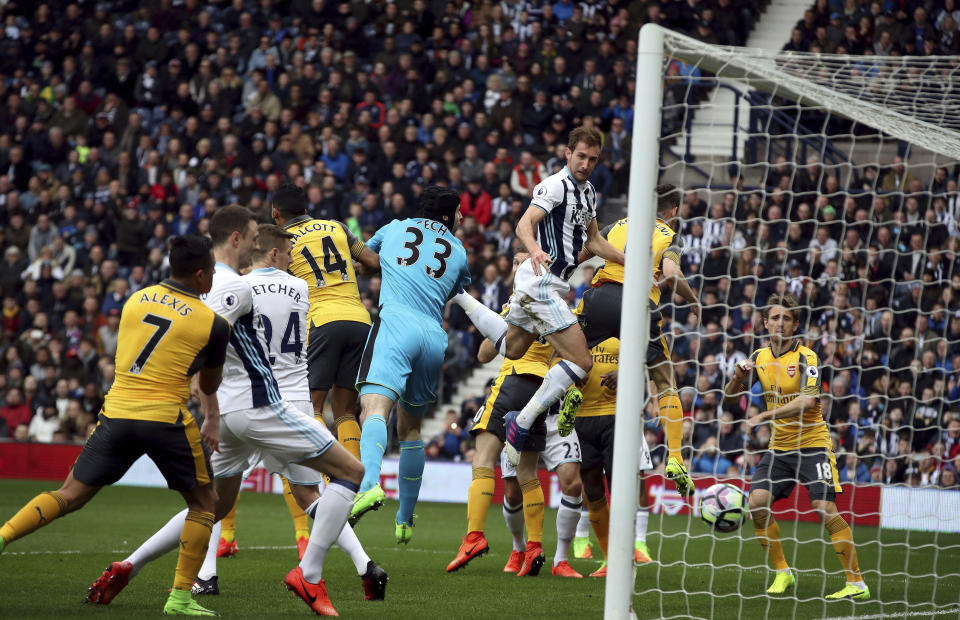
(830, 178)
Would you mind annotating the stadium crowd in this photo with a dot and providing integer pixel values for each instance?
(121, 125)
(880, 27)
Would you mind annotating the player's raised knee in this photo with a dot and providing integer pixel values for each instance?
(758, 501)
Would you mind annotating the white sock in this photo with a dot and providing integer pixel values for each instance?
(640, 529)
(513, 515)
(349, 542)
(555, 384)
(166, 539)
(209, 568)
(583, 525)
(332, 510)
(568, 514)
(487, 322)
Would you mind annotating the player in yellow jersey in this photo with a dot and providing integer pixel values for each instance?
(166, 335)
(599, 316)
(338, 322)
(518, 379)
(595, 429)
(800, 447)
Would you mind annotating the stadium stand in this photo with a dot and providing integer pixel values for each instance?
(122, 125)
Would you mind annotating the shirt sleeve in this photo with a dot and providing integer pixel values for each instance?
(356, 245)
(675, 250)
(810, 373)
(214, 354)
(376, 241)
(547, 195)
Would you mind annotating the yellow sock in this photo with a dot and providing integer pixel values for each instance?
(533, 509)
(842, 538)
(228, 525)
(193, 546)
(296, 512)
(671, 414)
(768, 533)
(348, 433)
(38, 512)
(479, 498)
(599, 513)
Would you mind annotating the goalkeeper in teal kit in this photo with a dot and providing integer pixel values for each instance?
(422, 265)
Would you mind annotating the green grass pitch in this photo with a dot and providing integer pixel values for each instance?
(46, 574)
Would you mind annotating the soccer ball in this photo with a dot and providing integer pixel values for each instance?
(723, 507)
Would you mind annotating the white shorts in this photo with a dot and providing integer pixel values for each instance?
(557, 451)
(283, 435)
(537, 305)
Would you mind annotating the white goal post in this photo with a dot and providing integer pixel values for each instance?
(634, 326)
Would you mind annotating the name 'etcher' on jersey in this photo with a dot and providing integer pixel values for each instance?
(570, 207)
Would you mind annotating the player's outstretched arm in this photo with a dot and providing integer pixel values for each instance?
(673, 276)
(599, 246)
(525, 227)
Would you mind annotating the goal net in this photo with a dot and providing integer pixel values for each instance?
(832, 178)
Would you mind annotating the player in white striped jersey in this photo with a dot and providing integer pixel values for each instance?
(559, 224)
(254, 420)
(282, 301)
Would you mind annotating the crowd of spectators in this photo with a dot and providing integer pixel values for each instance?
(122, 124)
(879, 27)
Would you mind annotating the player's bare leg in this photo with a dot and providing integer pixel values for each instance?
(573, 367)
(479, 498)
(533, 508)
(768, 535)
(842, 538)
(568, 514)
(671, 415)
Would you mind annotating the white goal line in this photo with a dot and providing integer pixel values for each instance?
(907, 614)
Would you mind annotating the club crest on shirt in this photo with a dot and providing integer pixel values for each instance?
(791, 371)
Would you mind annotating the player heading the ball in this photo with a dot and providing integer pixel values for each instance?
(560, 221)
